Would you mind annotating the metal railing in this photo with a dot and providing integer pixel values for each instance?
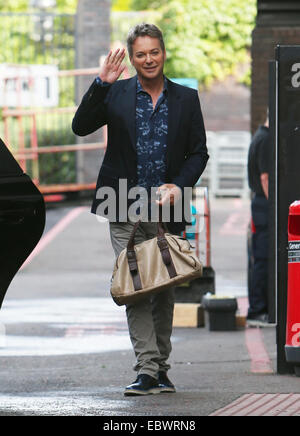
(25, 143)
(200, 231)
(38, 38)
(226, 171)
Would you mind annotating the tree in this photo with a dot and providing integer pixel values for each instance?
(207, 39)
(121, 5)
(68, 6)
(143, 5)
(14, 6)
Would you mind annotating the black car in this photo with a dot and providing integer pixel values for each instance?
(22, 217)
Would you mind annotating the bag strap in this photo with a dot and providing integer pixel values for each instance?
(164, 247)
(166, 256)
(164, 250)
(132, 260)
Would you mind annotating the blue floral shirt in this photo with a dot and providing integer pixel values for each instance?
(151, 137)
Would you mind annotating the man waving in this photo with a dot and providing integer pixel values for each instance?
(156, 139)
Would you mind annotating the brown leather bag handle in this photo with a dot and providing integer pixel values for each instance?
(132, 260)
(160, 231)
(166, 256)
(163, 247)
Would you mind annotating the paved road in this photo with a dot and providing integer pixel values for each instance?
(230, 218)
(66, 349)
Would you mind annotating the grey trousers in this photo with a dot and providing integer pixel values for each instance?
(150, 320)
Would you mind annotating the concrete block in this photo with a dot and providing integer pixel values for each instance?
(188, 315)
(240, 321)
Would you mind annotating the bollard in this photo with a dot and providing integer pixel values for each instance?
(292, 347)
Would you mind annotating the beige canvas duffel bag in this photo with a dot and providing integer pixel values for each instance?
(152, 266)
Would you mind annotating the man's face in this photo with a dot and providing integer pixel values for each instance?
(148, 57)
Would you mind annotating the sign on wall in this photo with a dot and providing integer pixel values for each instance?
(28, 86)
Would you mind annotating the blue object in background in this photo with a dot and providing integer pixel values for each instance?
(192, 226)
(190, 83)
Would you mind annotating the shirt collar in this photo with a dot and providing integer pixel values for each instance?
(139, 87)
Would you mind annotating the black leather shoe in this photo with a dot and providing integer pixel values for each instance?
(144, 385)
(164, 383)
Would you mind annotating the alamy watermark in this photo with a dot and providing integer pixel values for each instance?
(139, 204)
(296, 337)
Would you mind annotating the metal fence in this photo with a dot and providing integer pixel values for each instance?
(38, 38)
(52, 166)
(226, 171)
(30, 40)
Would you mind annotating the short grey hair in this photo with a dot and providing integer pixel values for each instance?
(144, 29)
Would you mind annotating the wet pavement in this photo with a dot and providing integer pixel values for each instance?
(65, 350)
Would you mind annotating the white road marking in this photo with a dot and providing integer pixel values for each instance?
(90, 325)
(45, 346)
(71, 310)
(53, 232)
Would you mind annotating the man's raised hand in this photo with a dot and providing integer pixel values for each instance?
(112, 67)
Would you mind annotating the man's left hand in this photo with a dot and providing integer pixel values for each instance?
(170, 193)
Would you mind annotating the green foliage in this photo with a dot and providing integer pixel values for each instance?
(121, 5)
(66, 6)
(57, 167)
(14, 6)
(143, 5)
(207, 39)
(122, 21)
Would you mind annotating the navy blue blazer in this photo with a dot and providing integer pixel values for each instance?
(114, 105)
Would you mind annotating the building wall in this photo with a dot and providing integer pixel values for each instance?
(280, 28)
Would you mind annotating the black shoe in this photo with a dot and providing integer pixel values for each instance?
(164, 383)
(144, 385)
